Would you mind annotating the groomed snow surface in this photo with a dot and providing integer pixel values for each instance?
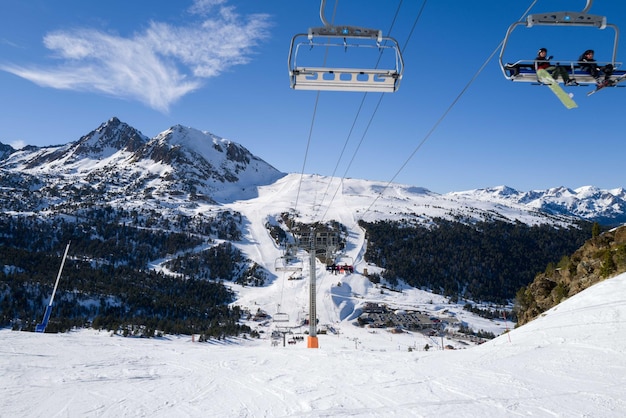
(570, 362)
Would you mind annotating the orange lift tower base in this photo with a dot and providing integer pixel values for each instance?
(312, 342)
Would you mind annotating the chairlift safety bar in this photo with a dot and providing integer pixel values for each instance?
(526, 71)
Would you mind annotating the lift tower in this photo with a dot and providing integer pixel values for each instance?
(312, 338)
(314, 241)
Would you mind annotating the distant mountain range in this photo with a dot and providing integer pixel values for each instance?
(589, 203)
(117, 165)
(189, 204)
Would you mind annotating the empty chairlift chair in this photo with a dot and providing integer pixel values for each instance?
(309, 76)
(288, 263)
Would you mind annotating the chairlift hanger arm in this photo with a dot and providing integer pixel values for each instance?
(342, 31)
(322, 7)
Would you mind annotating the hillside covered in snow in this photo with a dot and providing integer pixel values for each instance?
(570, 362)
(187, 236)
(144, 214)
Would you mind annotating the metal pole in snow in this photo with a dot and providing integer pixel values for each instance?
(56, 284)
(42, 327)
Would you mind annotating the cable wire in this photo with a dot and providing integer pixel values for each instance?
(354, 154)
(443, 116)
(317, 98)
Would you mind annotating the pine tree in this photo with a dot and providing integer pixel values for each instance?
(608, 265)
(595, 229)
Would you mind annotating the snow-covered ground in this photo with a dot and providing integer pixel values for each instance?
(340, 298)
(570, 362)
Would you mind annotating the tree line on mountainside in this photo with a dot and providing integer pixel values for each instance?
(485, 261)
(106, 282)
(601, 257)
(221, 262)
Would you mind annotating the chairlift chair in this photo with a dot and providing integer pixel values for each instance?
(304, 77)
(288, 263)
(341, 264)
(345, 263)
(525, 71)
(280, 317)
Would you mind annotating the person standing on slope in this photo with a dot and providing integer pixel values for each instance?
(543, 63)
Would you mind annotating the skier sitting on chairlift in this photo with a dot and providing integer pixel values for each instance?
(543, 63)
(588, 64)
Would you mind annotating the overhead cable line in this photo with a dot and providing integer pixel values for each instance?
(443, 116)
(317, 98)
(373, 113)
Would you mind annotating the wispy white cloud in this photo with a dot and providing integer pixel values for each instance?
(157, 66)
(204, 6)
(4, 41)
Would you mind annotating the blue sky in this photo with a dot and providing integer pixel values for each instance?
(221, 66)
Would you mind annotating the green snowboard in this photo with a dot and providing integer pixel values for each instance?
(547, 79)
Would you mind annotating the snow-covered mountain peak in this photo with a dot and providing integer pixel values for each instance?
(107, 144)
(559, 192)
(116, 161)
(586, 190)
(109, 138)
(490, 192)
(182, 165)
(183, 135)
(505, 190)
(5, 151)
(204, 144)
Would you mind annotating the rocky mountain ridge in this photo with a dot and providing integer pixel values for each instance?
(117, 165)
(601, 257)
(180, 168)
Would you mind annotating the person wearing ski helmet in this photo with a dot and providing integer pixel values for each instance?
(542, 62)
(589, 64)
